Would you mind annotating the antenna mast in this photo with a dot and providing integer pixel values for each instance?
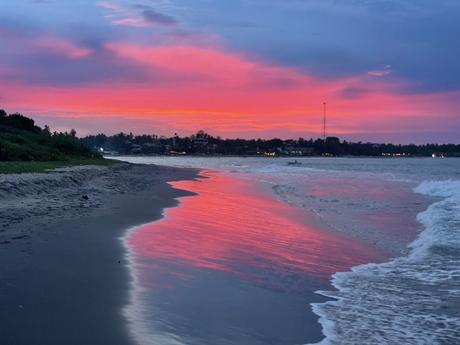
(324, 121)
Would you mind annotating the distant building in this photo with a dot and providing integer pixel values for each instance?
(135, 149)
(200, 141)
(300, 151)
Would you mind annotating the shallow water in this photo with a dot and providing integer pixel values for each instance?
(239, 263)
(233, 265)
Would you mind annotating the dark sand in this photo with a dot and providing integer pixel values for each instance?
(63, 279)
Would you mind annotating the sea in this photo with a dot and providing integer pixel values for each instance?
(324, 251)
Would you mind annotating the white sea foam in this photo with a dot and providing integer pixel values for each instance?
(409, 300)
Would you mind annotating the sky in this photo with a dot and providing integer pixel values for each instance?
(389, 70)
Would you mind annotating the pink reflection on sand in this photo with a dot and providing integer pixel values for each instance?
(233, 226)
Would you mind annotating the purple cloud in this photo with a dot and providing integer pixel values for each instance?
(155, 17)
(138, 15)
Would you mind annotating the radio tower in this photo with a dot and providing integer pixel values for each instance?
(324, 121)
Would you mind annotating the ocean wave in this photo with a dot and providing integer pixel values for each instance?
(409, 300)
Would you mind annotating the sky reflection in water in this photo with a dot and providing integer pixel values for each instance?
(238, 259)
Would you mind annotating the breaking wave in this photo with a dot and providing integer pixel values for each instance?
(409, 300)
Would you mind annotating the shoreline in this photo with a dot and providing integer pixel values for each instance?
(64, 276)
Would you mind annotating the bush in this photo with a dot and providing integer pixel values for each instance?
(22, 140)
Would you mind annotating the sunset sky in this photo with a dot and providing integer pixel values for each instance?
(389, 70)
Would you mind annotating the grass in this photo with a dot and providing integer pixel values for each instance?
(18, 167)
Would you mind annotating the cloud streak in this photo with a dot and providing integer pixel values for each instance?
(138, 15)
(380, 73)
(155, 17)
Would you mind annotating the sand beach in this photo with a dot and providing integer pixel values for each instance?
(63, 279)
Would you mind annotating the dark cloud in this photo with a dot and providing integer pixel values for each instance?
(335, 39)
(56, 70)
(155, 17)
(103, 65)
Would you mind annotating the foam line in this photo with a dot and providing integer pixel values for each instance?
(408, 300)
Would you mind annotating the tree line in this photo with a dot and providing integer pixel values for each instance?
(203, 143)
(22, 140)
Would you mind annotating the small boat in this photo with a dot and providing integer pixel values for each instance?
(294, 162)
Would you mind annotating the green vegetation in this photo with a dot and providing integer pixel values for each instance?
(25, 147)
(33, 166)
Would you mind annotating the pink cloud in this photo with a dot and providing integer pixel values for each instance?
(136, 16)
(108, 5)
(136, 22)
(380, 73)
(189, 88)
(63, 47)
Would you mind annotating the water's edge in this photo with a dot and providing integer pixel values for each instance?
(427, 276)
(130, 311)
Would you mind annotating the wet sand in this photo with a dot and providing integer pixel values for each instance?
(63, 279)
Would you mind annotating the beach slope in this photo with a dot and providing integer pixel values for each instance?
(63, 275)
